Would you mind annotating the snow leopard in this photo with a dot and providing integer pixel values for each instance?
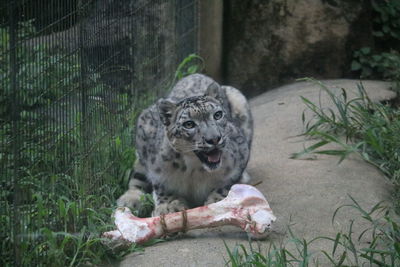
(191, 146)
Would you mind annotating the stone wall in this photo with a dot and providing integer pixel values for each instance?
(210, 36)
(268, 43)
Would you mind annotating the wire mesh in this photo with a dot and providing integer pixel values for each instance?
(73, 77)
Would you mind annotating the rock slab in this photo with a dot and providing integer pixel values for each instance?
(269, 43)
(302, 193)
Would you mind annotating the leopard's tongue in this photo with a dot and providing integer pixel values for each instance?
(214, 156)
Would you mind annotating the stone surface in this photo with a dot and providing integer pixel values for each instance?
(210, 36)
(268, 43)
(302, 193)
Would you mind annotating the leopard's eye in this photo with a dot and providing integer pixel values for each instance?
(189, 124)
(218, 115)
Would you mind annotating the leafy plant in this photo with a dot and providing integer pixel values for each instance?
(274, 255)
(383, 235)
(63, 169)
(38, 84)
(66, 210)
(382, 62)
(70, 172)
(369, 129)
(388, 18)
(189, 65)
(386, 64)
(382, 249)
(65, 162)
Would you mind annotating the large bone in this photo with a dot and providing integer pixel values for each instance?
(244, 207)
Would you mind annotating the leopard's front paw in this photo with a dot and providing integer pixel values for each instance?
(169, 207)
(130, 199)
(216, 196)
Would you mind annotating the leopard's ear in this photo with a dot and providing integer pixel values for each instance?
(214, 90)
(166, 109)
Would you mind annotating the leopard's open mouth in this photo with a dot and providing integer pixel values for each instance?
(211, 159)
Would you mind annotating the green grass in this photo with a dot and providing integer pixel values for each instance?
(359, 126)
(371, 130)
(66, 203)
(383, 249)
(273, 256)
(67, 177)
(58, 185)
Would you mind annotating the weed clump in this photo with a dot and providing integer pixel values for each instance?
(358, 126)
(347, 248)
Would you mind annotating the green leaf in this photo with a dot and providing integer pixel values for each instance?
(366, 50)
(385, 29)
(61, 208)
(309, 149)
(342, 258)
(193, 69)
(355, 65)
(377, 57)
(335, 244)
(118, 142)
(397, 247)
(378, 34)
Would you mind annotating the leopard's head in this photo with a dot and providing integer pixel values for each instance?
(197, 125)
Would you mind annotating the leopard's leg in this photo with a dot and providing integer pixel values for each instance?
(221, 192)
(166, 202)
(138, 185)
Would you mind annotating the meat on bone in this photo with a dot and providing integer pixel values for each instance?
(245, 207)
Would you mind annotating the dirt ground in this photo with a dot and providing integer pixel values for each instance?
(303, 194)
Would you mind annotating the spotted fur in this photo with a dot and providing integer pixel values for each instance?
(191, 146)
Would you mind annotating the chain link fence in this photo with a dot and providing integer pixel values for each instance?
(73, 77)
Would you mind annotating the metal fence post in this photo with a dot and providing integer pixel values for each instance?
(84, 97)
(15, 221)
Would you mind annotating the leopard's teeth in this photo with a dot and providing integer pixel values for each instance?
(214, 157)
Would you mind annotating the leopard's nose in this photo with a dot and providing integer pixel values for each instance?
(213, 141)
